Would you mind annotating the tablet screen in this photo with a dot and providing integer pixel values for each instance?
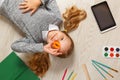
(103, 16)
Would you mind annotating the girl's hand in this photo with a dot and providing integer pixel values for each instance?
(30, 6)
(50, 50)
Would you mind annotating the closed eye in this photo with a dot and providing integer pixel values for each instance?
(62, 38)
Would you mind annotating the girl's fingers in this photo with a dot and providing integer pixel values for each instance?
(26, 0)
(26, 10)
(50, 43)
(55, 51)
(23, 7)
(23, 4)
(33, 11)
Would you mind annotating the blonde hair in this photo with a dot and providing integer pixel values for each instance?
(40, 62)
(72, 17)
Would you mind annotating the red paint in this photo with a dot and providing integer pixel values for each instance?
(117, 55)
(111, 49)
(111, 54)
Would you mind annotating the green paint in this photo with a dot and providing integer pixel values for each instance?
(106, 54)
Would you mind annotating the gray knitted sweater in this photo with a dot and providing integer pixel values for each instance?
(32, 26)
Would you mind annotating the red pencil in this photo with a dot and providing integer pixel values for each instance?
(64, 74)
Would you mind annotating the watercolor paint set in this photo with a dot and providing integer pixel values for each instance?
(111, 52)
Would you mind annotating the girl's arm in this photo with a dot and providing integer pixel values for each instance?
(27, 45)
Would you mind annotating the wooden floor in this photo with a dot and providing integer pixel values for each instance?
(88, 43)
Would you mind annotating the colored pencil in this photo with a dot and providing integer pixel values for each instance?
(64, 74)
(99, 72)
(73, 77)
(105, 66)
(70, 75)
(103, 70)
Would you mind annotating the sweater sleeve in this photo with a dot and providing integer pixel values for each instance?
(27, 45)
(53, 7)
(44, 1)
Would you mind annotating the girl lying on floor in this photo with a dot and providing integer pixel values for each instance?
(42, 34)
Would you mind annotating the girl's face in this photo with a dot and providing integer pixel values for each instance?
(64, 40)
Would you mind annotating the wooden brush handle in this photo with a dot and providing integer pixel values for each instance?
(86, 71)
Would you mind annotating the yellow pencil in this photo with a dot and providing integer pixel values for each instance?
(73, 77)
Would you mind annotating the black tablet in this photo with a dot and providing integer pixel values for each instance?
(103, 16)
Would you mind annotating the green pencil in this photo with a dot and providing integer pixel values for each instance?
(99, 72)
(105, 65)
(70, 75)
(103, 69)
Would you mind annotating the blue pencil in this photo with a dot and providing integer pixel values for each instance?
(105, 66)
(103, 69)
(99, 72)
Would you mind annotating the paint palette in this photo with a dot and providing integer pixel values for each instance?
(111, 52)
